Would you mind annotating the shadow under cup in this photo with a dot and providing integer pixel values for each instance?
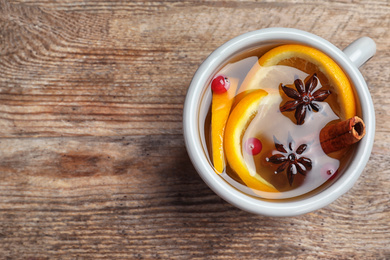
(198, 104)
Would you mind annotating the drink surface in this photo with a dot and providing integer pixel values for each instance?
(284, 142)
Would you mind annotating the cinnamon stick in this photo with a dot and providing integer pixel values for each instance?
(341, 135)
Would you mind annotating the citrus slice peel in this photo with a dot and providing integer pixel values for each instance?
(238, 121)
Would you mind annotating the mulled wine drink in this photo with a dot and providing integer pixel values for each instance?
(282, 121)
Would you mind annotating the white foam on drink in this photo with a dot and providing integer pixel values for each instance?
(271, 124)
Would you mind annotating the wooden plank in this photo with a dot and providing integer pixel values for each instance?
(92, 158)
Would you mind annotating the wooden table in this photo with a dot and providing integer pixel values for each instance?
(92, 157)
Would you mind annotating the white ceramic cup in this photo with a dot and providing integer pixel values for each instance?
(356, 54)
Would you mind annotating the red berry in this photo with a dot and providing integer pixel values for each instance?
(334, 174)
(220, 84)
(329, 171)
(253, 146)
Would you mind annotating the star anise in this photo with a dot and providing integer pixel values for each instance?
(290, 160)
(304, 98)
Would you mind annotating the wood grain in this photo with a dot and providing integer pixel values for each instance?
(92, 157)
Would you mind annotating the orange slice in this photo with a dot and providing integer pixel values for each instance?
(238, 121)
(311, 61)
(220, 109)
(240, 96)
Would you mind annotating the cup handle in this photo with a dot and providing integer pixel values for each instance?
(360, 51)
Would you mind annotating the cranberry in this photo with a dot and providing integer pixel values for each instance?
(329, 171)
(220, 84)
(334, 174)
(253, 146)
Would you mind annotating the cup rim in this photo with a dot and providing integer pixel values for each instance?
(225, 190)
